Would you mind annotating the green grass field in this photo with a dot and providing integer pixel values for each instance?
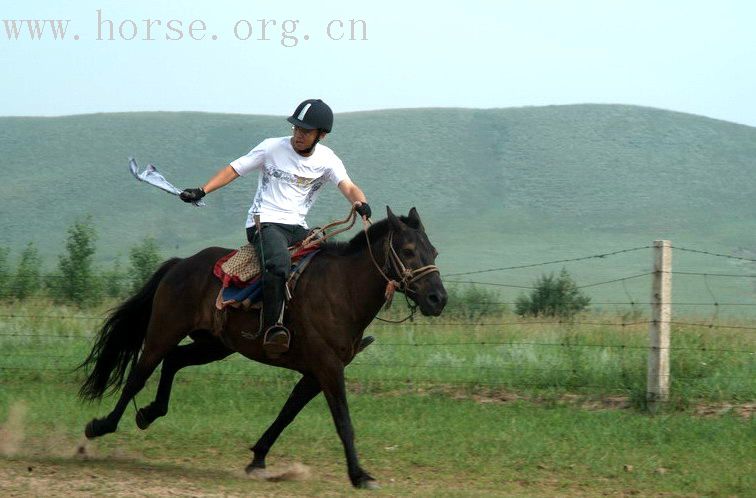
(506, 407)
(476, 403)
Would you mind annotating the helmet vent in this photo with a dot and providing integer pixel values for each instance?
(304, 111)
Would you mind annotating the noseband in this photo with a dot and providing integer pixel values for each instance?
(392, 261)
(407, 276)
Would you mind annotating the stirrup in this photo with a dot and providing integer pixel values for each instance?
(277, 340)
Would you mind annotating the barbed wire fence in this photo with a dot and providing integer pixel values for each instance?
(657, 385)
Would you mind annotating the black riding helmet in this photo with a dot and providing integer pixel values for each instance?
(313, 114)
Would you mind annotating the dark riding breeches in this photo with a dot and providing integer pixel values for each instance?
(271, 245)
(276, 238)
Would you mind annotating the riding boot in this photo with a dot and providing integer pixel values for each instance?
(277, 337)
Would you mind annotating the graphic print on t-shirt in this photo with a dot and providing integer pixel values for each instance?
(269, 174)
(288, 183)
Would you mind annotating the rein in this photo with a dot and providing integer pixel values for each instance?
(406, 276)
(320, 235)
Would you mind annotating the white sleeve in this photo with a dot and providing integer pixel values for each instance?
(337, 172)
(251, 161)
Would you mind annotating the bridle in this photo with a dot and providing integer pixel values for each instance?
(405, 276)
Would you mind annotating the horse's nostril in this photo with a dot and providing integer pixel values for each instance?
(433, 298)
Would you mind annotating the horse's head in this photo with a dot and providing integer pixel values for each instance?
(413, 262)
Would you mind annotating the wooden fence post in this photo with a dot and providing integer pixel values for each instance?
(657, 386)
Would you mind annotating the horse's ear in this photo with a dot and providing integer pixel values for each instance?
(414, 218)
(394, 222)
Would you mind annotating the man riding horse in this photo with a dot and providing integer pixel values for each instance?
(336, 299)
(292, 171)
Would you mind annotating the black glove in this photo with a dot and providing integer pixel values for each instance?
(364, 210)
(192, 194)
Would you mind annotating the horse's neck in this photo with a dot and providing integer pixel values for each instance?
(369, 282)
(364, 283)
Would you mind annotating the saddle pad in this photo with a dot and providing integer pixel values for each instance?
(250, 294)
(243, 265)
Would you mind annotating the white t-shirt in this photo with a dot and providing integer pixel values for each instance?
(289, 183)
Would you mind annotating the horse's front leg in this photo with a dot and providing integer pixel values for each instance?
(334, 389)
(305, 390)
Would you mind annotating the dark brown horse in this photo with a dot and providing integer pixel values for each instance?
(336, 298)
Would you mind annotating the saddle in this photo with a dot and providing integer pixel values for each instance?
(240, 270)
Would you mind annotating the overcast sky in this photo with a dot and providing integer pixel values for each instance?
(691, 56)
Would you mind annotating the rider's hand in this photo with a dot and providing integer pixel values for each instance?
(192, 194)
(363, 209)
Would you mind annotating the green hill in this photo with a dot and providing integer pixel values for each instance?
(495, 187)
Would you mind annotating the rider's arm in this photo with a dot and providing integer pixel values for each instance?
(221, 179)
(352, 192)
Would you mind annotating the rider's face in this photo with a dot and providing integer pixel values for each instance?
(303, 138)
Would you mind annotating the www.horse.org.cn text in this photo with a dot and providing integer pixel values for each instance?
(287, 33)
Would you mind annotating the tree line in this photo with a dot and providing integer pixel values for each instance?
(76, 279)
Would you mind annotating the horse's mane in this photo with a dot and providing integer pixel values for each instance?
(358, 243)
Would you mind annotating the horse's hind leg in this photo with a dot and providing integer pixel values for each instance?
(148, 360)
(160, 338)
(306, 389)
(196, 353)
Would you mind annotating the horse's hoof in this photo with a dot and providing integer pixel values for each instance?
(95, 428)
(368, 484)
(256, 472)
(365, 342)
(141, 419)
(89, 431)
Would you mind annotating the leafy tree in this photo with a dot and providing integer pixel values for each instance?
(553, 296)
(144, 259)
(26, 281)
(77, 284)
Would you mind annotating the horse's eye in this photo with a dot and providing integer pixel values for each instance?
(408, 252)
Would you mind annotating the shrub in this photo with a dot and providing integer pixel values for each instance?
(4, 273)
(553, 296)
(114, 281)
(26, 281)
(144, 259)
(472, 303)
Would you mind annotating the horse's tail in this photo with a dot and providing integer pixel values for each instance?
(120, 339)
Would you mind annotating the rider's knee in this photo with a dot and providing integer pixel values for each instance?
(276, 269)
